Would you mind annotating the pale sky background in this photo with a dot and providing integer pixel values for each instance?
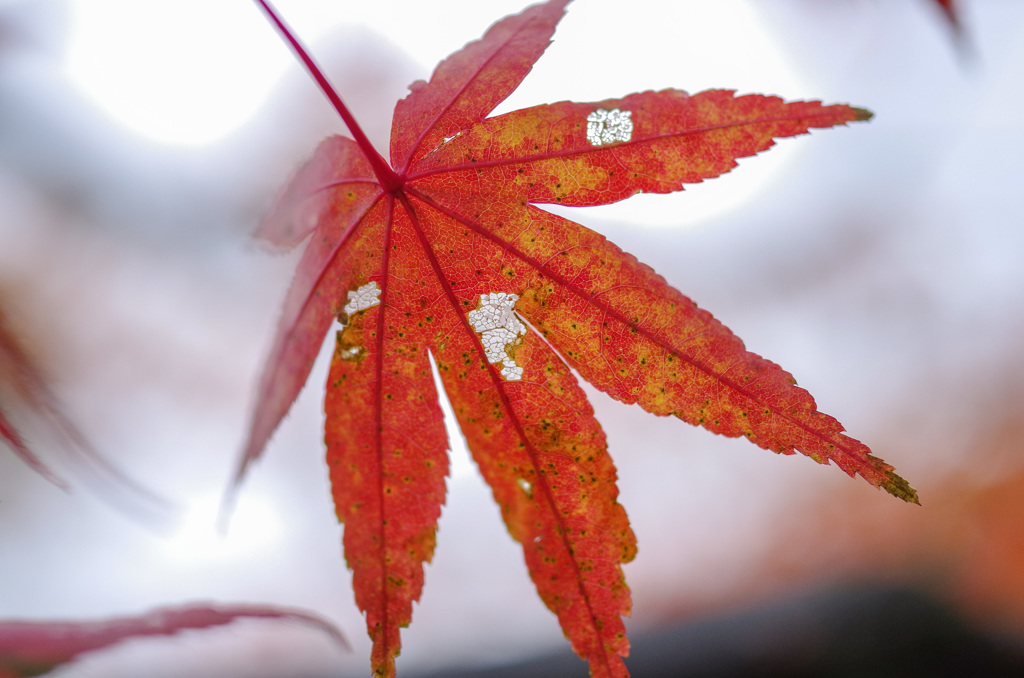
(879, 263)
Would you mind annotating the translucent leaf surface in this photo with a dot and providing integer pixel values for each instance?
(447, 255)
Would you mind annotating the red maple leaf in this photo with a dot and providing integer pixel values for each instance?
(444, 255)
(32, 648)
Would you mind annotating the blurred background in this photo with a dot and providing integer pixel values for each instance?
(879, 263)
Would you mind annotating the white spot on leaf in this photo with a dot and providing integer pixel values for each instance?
(499, 329)
(350, 353)
(607, 127)
(525, 486)
(511, 371)
(363, 298)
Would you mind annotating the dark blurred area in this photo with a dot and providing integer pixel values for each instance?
(849, 632)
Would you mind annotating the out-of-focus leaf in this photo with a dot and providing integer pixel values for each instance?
(32, 648)
(27, 392)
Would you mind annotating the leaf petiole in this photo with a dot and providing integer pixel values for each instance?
(389, 180)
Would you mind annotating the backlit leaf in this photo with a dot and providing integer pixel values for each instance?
(445, 256)
(32, 648)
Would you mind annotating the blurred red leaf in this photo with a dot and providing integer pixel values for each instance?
(29, 393)
(948, 8)
(442, 255)
(32, 648)
(26, 383)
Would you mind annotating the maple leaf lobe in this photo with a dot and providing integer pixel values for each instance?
(468, 85)
(900, 488)
(862, 114)
(547, 155)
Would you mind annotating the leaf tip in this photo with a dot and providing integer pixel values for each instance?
(862, 114)
(900, 488)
